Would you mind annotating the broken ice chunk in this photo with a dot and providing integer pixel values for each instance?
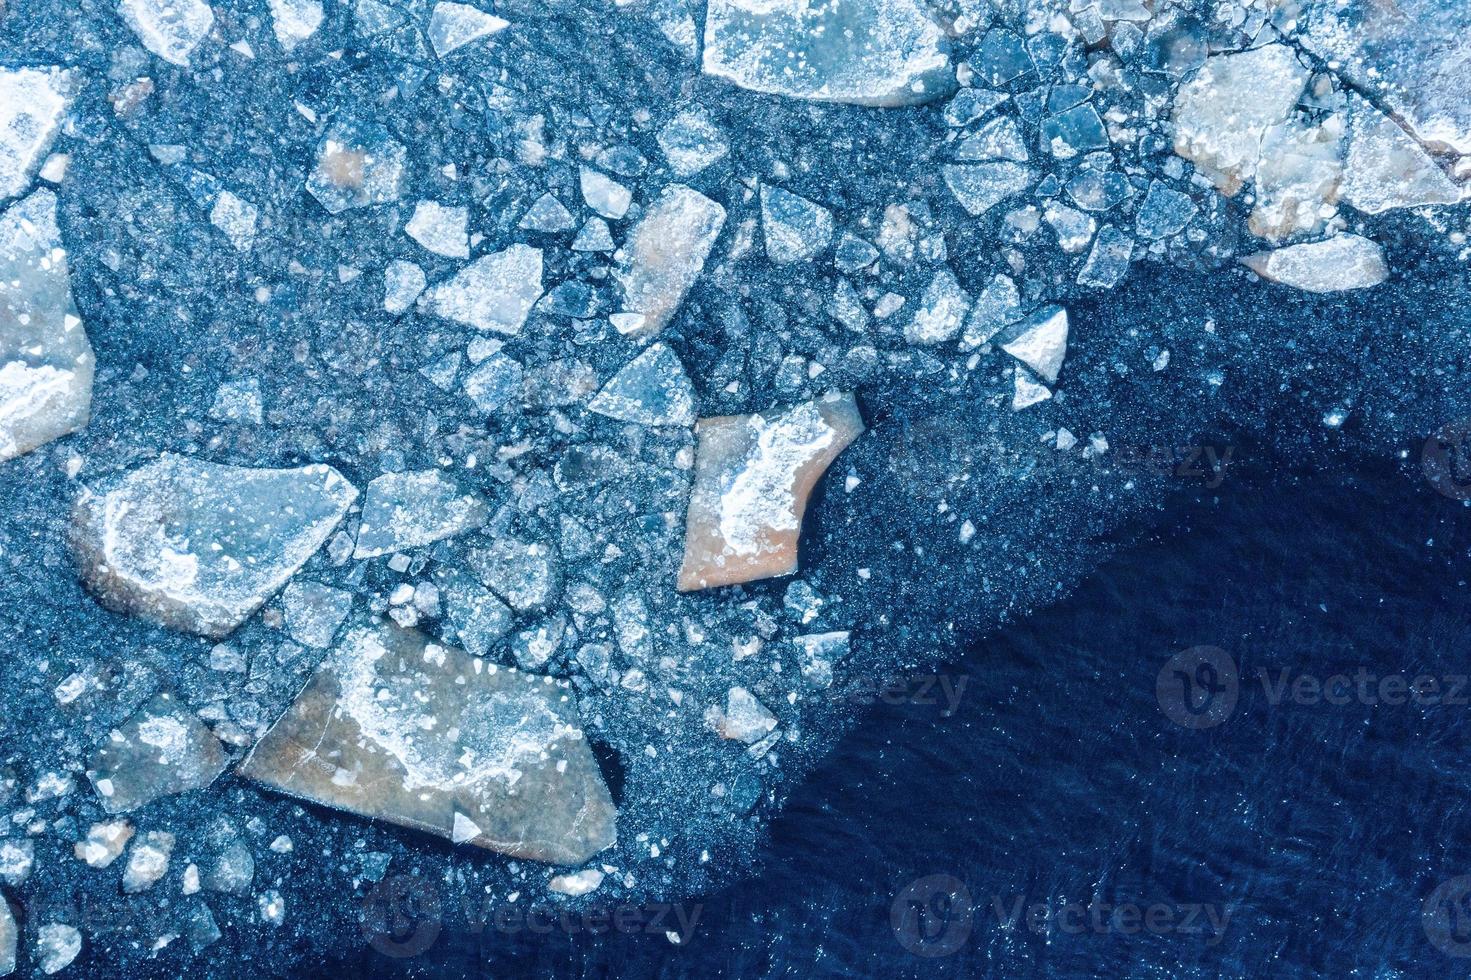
(198, 546)
(1386, 168)
(46, 362)
(861, 52)
(238, 401)
(1339, 263)
(1077, 130)
(666, 253)
(1411, 56)
(753, 475)
(593, 237)
(1222, 114)
(236, 218)
(1028, 391)
(495, 292)
(397, 728)
(171, 29)
(651, 389)
(104, 843)
(603, 194)
(547, 215)
(148, 861)
(9, 938)
(796, 229)
(494, 382)
(402, 284)
(999, 139)
(744, 719)
(440, 229)
(32, 103)
(525, 574)
(1297, 178)
(410, 510)
(163, 749)
(982, 186)
(941, 311)
(293, 21)
(357, 168)
(478, 616)
(998, 306)
(313, 612)
(1109, 260)
(691, 142)
(1165, 211)
(1041, 342)
(57, 945)
(584, 882)
(454, 25)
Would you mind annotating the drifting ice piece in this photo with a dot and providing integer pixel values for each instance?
(32, 101)
(1386, 169)
(162, 750)
(394, 727)
(46, 363)
(410, 510)
(666, 253)
(651, 389)
(860, 52)
(357, 169)
(1041, 343)
(454, 25)
(171, 29)
(753, 475)
(1341, 262)
(199, 546)
(980, 187)
(795, 228)
(495, 292)
(1222, 114)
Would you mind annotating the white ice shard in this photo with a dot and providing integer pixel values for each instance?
(1041, 342)
(941, 312)
(293, 21)
(744, 718)
(454, 25)
(1338, 263)
(410, 510)
(46, 362)
(753, 475)
(1413, 57)
(402, 284)
(236, 218)
(440, 229)
(1297, 178)
(691, 142)
(796, 229)
(200, 546)
(651, 389)
(9, 938)
(1027, 390)
(861, 52)
(604, 194)
(980, 187)
(32, 104)
(395, 727)
(495, 292)
(171, 29)
(1386, 168)
(666, 253)
(1222, 114)
(57, 945)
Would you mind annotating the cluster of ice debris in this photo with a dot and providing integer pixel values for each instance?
(461, 389)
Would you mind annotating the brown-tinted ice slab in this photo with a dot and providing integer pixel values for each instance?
(398, 728)
(163, 749)
(753, 475)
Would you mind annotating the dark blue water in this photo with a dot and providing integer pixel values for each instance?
(1301, 834)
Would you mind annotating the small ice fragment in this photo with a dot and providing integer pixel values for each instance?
(440, 229)
(454, 25)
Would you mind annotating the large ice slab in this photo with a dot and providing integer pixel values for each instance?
(1224, 112)
(1412, 56)
(32, 103)
(753, 475)
(200, 546)
(863, 52)
(46, 362)
(666, 253)
(1386, 169)
(395, 727)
